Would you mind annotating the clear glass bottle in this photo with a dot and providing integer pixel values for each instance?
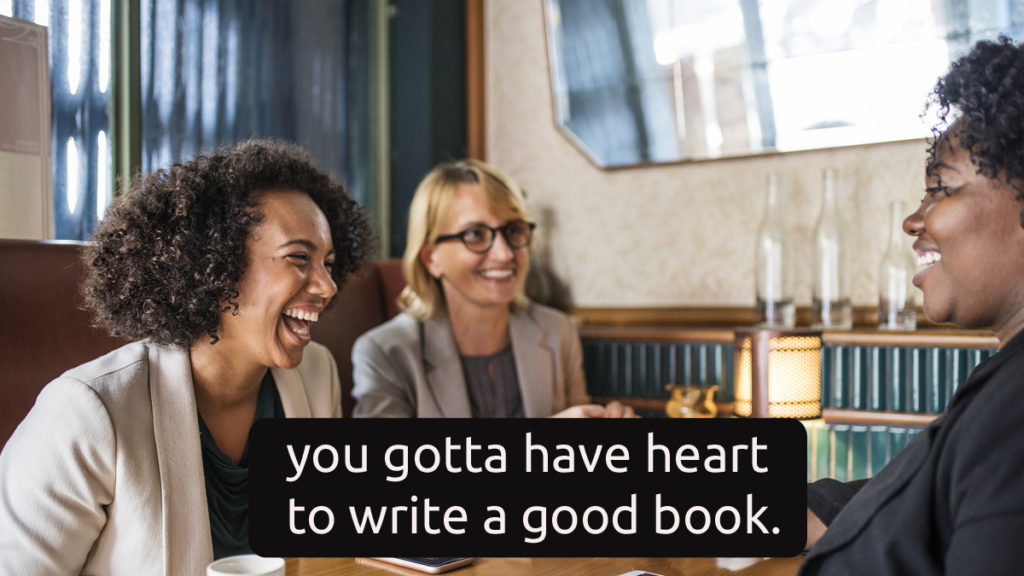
(896, 309)
(830, 293)
(775, 307)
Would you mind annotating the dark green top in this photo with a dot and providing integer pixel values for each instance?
(227, 484)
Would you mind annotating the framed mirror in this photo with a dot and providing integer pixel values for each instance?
(653, 81)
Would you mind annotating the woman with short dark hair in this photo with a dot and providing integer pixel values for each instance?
(952, 501)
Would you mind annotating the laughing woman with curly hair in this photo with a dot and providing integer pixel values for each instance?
(136, 462)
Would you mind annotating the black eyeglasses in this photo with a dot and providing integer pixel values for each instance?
(479, 237)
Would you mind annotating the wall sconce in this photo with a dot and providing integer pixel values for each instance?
(778, 373)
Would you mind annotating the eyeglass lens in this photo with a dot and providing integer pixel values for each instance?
(480, 238)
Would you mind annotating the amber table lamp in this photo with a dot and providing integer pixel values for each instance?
(778, 373)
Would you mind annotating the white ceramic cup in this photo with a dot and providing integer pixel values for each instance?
(247, 564)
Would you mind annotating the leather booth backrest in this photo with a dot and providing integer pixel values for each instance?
(45, 331)
(43, 328)
(366, 300)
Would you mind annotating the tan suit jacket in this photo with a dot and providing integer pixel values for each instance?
(105, 474)
(405, 368)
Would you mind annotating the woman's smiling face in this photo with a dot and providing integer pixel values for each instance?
(476, 281)
(286, 283)
(970, 244)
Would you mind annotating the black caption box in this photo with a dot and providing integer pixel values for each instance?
(538, 487)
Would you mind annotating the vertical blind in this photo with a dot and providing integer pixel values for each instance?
(220, 71)
(79, 37)
(213, 72)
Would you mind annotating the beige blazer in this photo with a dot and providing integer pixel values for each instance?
(105, 474)
(397, 373)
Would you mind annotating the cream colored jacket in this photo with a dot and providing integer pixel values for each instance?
(105, 474)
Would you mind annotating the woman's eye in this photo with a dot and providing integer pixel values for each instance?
(472, 234)
(299, 257)
(329, 264)
(931, 191)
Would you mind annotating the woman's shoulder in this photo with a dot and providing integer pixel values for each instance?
(401, 330)
(81, 405)
(113, 368)
(547, 316)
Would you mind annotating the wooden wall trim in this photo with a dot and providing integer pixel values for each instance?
(863, 316)
(476, 137)
(837, 415)
(703, 315)
(657, 333)
(926, 337)
(829, 415)
(717, 324)
(675, 316)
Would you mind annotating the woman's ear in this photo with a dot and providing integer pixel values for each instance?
(428, 256)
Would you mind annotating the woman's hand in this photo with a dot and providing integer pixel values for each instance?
(614, 409)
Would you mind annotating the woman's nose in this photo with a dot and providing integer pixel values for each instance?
(913, 225)
(322, 284)
(500, 248)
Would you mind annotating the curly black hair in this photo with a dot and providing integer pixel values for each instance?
(983, 96)
(166, 258)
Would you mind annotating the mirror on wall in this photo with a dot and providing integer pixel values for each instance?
(651, 81)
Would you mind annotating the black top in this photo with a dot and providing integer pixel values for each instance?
(951, 502)
(227, 484)
(493, 385)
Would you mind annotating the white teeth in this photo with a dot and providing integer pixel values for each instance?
(497, 273)
(302, 314)
(928, 258)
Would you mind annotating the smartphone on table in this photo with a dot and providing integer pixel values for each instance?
(431, 565)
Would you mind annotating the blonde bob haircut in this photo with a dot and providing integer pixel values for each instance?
(423, 296)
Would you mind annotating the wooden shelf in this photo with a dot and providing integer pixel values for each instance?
(718, 325)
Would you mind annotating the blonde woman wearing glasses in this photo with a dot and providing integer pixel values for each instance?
(469, 343)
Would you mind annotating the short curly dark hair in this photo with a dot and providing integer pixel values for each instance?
(983, 96)
(166, 258)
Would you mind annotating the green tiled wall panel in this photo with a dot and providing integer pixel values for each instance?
(895, 378)
(852, 451)
(839, 452)
(884, 378)
(822, 450)
(860, 452)
(879, 450)
(642, 369)
(877, 393)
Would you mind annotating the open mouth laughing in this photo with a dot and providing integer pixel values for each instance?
(298, 321)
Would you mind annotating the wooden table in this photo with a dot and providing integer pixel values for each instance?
(556, 567)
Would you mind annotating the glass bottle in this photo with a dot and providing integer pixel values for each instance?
(830, 293)
(775, 307)
(896, 309)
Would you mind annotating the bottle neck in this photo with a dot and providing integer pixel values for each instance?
(828, 199)
(771, 193)
(828, 209)
(771, 200)
(896, 225)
